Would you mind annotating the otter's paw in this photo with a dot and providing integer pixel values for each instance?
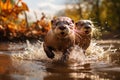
(64, 58)
(48, 51)
(50, 54)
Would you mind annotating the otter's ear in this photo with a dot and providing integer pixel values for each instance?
(52, 21)
(72, 21)
(76, 24)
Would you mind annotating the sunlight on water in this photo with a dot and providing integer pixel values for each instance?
(30, 59)
(31, 52)
(77, 55)
(95, 53)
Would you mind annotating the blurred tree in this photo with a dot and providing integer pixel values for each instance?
(105, 12)
(75, 10)
(111, 14)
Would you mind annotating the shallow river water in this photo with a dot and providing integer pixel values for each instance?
(27, 61)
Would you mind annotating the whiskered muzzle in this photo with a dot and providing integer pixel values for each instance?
(62, 27)
(87, 27)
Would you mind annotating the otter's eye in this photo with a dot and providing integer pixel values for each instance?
(89, 23)
(76, 24)
(57, 23)
(67, 23)
(82, 24)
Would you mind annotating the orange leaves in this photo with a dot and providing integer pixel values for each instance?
(5, 6)
(12, 27)
(18, 9)
(12, 30)
(41, 27)
(24, 6)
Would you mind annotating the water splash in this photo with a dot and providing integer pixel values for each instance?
(77, 55)
(95, 53)
(31, 52)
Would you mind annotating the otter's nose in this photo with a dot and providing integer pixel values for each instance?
(87, 27)
(62, 27)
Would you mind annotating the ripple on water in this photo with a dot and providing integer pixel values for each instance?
(29, 60)
(95, 53)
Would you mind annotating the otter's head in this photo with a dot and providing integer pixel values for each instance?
(84, 26)
(62, 26)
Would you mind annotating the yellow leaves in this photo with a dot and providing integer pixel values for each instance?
(42, 26)
(17, 9)
(17, 29)
(13, 27)
(72, 13)
(24, 6)
(6, 6)
(4, 18)
(10, 11)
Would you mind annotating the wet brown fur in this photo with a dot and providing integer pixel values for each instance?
(83, 39)
(54, 41)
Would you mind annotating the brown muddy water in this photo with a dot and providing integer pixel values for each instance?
(27, 61)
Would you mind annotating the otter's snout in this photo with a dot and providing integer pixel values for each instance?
(87, 27)
(62, 27)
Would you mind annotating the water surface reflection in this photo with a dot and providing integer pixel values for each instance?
(35, 68)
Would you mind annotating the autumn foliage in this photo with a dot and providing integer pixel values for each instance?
(14, 28)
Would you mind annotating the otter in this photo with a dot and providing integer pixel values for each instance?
(83, 31)
(60, 37)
